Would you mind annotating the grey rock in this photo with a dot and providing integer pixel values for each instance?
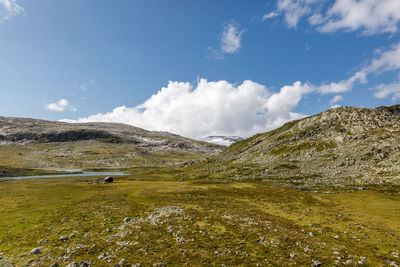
(35, 251)
(63, 238)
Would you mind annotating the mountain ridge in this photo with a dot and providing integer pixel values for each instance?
(338, 147)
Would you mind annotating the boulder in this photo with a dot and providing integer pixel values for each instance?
(108, 180)
(35, 251)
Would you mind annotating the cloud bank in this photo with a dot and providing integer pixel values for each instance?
(222, 108)
(211, 108)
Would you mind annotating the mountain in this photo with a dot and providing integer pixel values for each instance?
(222, 140)
(46, 144)
(339, 147)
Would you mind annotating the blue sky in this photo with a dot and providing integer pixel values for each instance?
(194, 67)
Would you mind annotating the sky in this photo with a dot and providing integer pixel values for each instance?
(196, 67)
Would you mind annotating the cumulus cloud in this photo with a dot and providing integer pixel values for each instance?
(231, 38)
(222, 108)
(211, 108)
(60, 106)
(9, 9)
(369, 16)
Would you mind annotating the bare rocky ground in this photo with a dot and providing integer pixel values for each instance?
(30, 143)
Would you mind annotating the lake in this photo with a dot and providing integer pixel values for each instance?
(66, 174)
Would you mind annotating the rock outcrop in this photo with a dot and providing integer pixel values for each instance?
(339, 147)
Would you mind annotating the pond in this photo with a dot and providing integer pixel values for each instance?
(67, 173)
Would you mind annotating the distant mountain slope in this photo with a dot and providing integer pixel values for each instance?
(39, 143)
(337, 147)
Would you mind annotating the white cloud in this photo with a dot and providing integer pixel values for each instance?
(60, 106)
(385, 90)
(335, 99)
(294, 10)
(86, 85)
(369, 16)
(270, 15)
(388, 60)
(9, 9)
(231, 38)
(211, 108)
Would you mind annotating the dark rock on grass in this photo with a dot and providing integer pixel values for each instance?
(108, 180)
(85, 263)
(63, 238)
(54, 265)
(35, 251)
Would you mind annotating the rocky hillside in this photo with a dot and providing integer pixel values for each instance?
(339, 147)
(38, 143)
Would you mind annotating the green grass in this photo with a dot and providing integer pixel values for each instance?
(223, 223)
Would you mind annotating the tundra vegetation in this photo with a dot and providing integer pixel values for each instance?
(321, 191)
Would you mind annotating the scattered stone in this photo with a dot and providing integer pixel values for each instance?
(54, 264)
(66, 219)
(63, 238)
(73, 264)
(292, 255)
(392, 263)
(362, 260)
(316, 263)
(180, 239)
(127, 219)
(35, 251)
(87, 235)
(102, 256)
(85, 263)
(41, 241)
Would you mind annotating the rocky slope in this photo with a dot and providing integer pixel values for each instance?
(38, 143)
(339, 147)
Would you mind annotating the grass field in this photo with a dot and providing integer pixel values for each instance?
(193, 223)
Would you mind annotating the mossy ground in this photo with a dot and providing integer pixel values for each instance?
(222, 223)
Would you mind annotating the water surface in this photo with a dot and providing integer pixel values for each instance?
(80, 174)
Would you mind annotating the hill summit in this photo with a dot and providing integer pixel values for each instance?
(339, 147)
